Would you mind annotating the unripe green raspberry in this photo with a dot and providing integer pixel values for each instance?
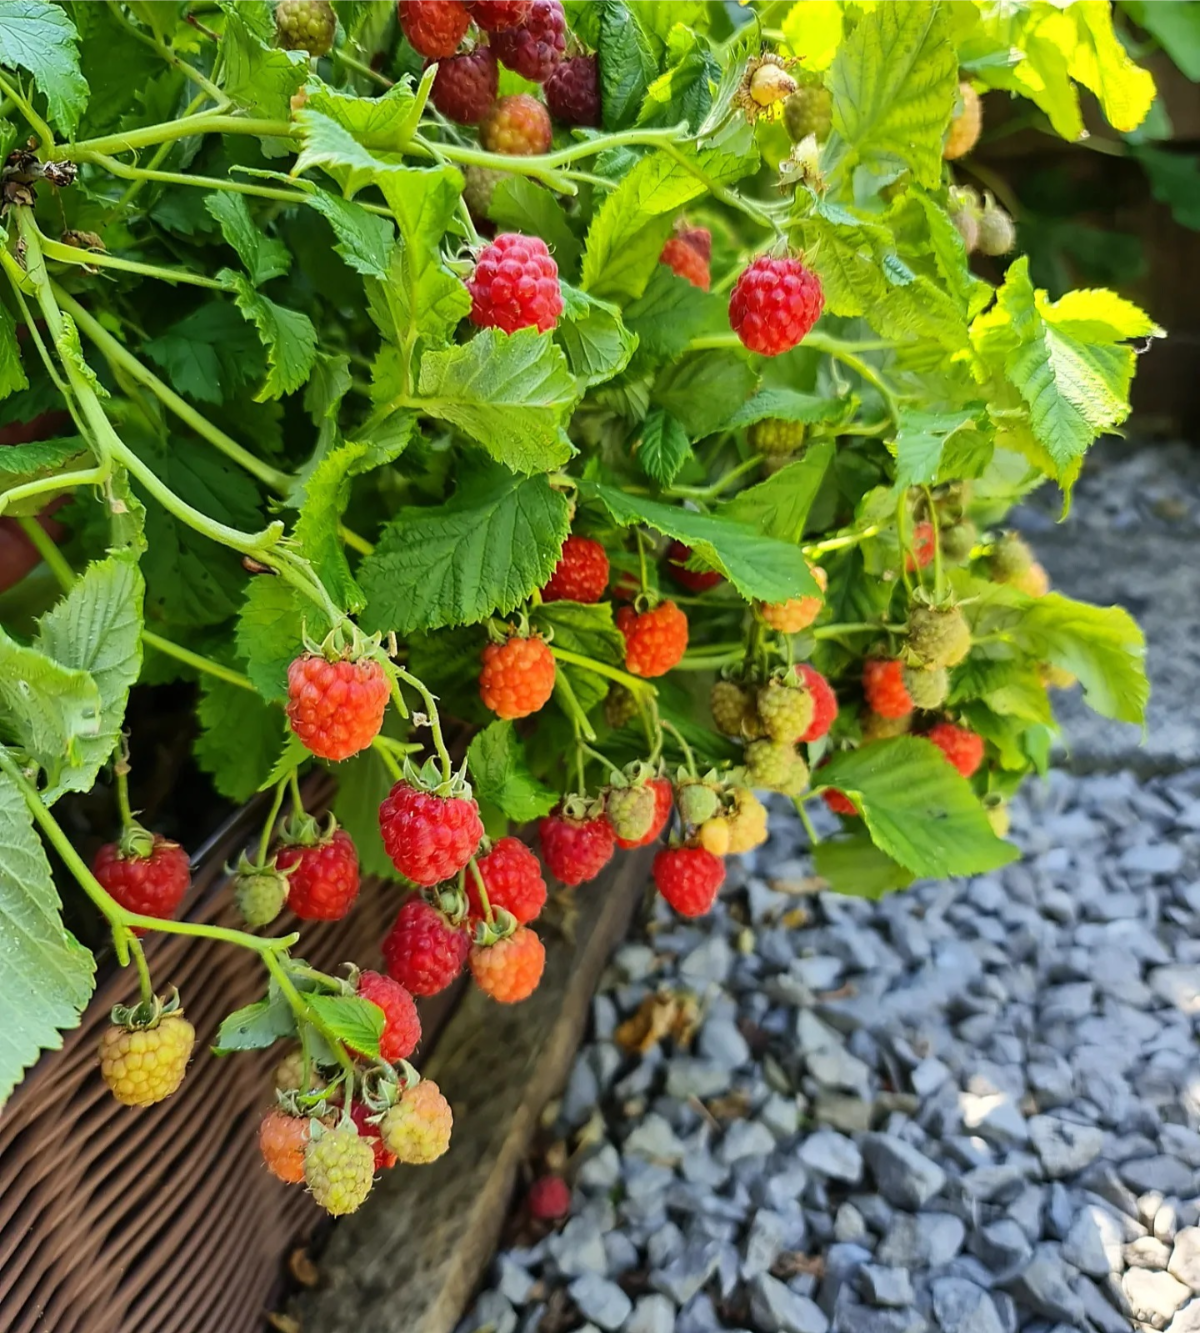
(479, 184)
(927, 688)
(620, 706)
(339, 1168)
(776, 766)
(809, 110)
(958, 541)
(774, 436)
(630, 811)
(697, 801)
(733, 709)
(305, 25)
(260, 894)
(938, 636)
(997, 234)
(417, 1128)
(1011, 558)
(877, 728)
(786, 709)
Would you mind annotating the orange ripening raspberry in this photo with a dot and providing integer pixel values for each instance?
(336, 708)
(510, 969)
(963, 747)
(923, 544)
(797, 613)
(655, 640)
(883, 685)
(686, 262)
(282, 1139)
(517, 677)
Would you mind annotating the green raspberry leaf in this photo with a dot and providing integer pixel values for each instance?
(259, 77)
(326, 495)
(919, 809)
(519, 204)
(364, 240)
(263, 257)
(482, 552)
(270, 633)
(762, 567)
(39, 37)
(590, 332)
(240, 737)
(922, 439)
(704, 389)
(210, 354)
(362, 783)
(779, 506)
(790, 405)
(500, 775)
(350, 1019)
(255, 1026)
(664, 447)
(853, 865)
(288, 336)
(627, 64)
(511, 393)
(670, 313)
(21, 463)
(12, 373)
(46, 975)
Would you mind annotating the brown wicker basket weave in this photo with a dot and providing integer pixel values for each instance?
(162, 1220)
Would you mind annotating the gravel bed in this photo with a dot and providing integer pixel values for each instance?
(971, 1107)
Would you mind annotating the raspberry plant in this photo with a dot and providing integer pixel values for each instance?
(630, 405)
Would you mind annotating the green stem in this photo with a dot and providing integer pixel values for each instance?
(863, 627)
(69, 254)
(431, 713)
(635, 683)
(902, 535)
(293, 781)
(268, 828)
(304, 1011)
(570, 705)
(688, 756)
(711, 492)
(43, 131)
(45, 546)
(814, 837)
(600, 759)
(481, 889)
(389, 759)
(207, 122)
(205, 84)
(842, 352)
(641, 545)
(700, 662)
(938, 582)
(134, 188)
(64, 481)
(138, 954)
(343, 57)
(121, 769)
(202, 664)
(840, 543)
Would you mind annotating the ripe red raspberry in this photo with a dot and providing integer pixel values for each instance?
(512, 879)
(963, 747)
(510, 969)
(401, 1024)
(464, 87)
(152, 885)
(429, 837)
(923, 543)
(434, 28)
(336, 708)
(695, 580)
(538, 44)
(825, 705)
(368, 1129)
(575, 850)
(699, 238)
(422, 951)
(282, 1139)
(549, 1198)
(838, 802)
(517, 126)
(417, 1129)
(517, 677)
(688, 878)
(664, 799)
(774, 304)
(515, 285)
(581, 574)
(654, 640)
(685, 261)
(573, 91)
(497, 15)
(883, 685)
(322, 876)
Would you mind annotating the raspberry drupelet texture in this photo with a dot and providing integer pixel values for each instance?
(339, 1168)
(282, 1139)
(965, 126)
(515, 285)
(575, 850)
(417, 1128)
(825, 705)
(923, 545)
(664, 799)
(685, 261)
(401, 1023)
(510, 969)
(963, 747)
(322, 878)
(689, 878)
(537, 45)
(499, 15)
(655, 640)
(581, 574)
(151, 885)
(512, 879)
(368, 1130)
(429, 837)
(785, 709)
(517, 126)
(809, 110)
(775, 438)
(694, 580)
(305, 25)
(144, 1065)
(464, 87)
(774, 303)
(517, 677)
(336, 708)
(777, 766)
(422, 951)
(797, 613)
(573, 91)
(434, 28)
(883, 685)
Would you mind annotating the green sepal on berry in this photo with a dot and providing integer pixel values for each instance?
(260, 889)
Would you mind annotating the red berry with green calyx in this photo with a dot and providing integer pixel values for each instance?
(517, 126)
(499, 15)
(336, 708)
(537, 45)
(423, 951)
(434, 28)
(515, 285)
(322, 873)
(963, 747)
(573, 91)
(512, 880)
(305, 25)
(774, 303)
(689, 878)
(695, 580)
(429, 837)
(655, 640)
(367, 1124)
(581, 574)
(575, 847)
(150, 876)
(464, 87)
(401, 1023)
(517, 677)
